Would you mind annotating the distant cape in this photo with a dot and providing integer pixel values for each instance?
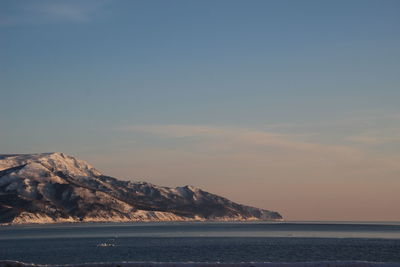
(55, 187)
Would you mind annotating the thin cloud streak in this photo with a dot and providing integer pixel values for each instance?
(255, 144)
(238, 136)
(377, 137)
(63, 11)
(51, 12)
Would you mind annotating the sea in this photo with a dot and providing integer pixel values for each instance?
(223, 242)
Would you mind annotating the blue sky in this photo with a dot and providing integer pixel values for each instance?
(224, 95)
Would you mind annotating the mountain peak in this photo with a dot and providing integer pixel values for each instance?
(53, 161)
(55, 187)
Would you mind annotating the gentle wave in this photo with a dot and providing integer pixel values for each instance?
(211, 264)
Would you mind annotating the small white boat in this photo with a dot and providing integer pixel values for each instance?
(106, 245)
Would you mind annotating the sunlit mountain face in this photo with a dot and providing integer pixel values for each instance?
(54, 187)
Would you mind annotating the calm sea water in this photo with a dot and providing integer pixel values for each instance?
(201, 242)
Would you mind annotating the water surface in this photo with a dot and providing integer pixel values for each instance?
(201, 242)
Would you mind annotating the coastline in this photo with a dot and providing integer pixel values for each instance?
(71, 220)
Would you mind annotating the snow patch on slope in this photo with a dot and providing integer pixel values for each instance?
(136, 216)
(53, 162)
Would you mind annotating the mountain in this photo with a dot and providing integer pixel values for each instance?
(54, 187)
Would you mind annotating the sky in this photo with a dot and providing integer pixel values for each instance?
(291, 106)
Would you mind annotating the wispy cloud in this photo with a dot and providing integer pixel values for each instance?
(227, 141)
(373, 139)
(41, 12)
(240, 138)
(65, 11)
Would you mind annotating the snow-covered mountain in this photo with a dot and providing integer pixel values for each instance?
(54, 187)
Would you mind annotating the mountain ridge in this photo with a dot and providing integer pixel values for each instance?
(54, 187)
